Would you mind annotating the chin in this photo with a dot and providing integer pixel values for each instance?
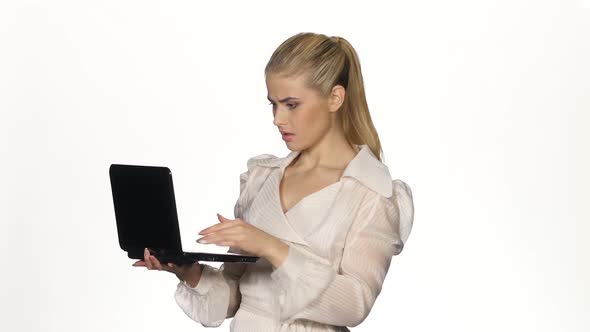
(291, 146)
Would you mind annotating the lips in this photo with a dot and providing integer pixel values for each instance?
(287, 137)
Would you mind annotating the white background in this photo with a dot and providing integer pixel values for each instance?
(482, 107)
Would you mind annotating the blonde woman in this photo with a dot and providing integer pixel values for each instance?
(326, 219)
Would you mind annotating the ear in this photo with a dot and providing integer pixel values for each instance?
(336, 98)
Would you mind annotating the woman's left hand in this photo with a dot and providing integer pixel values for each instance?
(237, 233)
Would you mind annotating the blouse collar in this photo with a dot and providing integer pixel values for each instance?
(364, 167)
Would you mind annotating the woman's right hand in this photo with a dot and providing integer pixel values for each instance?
(189, 273)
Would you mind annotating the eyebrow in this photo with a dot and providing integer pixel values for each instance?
(284, 99)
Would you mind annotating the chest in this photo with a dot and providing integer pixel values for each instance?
(319, 219)
(296, 186)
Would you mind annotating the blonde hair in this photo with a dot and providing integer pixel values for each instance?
(329, 61)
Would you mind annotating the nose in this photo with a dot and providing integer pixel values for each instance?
(280, 117)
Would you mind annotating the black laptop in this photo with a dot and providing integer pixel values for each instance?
(145, 212)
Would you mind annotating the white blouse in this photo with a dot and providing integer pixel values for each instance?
(341, 241)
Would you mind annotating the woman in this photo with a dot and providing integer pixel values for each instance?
(325, 220)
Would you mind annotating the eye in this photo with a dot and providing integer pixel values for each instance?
(290, 105)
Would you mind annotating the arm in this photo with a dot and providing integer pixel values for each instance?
(217, 295)
(312, 290)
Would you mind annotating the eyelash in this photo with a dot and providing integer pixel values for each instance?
(291, 107)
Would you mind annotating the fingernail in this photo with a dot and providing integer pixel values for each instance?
(202, 241)
(170, 264)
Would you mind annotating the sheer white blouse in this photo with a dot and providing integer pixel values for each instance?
(341, 241)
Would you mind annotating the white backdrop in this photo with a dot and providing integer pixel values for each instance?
(481, 106)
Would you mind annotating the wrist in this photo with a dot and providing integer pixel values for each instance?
(277, 253)
(193, 282)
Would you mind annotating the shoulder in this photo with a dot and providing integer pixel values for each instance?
(402, 198)
(397, 210)
(395, 194)
(255, 166)
(264, 159)
(400, 188)
(401, 194)
(254, 176)
(403, 203)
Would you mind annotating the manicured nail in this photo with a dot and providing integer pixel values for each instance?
(202, 241)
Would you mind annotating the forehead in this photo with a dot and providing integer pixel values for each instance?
(280, 85)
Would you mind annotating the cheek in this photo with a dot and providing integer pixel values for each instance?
(306, 118)
(311, 121)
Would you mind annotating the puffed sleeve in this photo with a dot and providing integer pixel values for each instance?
(217, 295)
(312, 290)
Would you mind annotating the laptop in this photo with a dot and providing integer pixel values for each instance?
(146, 217)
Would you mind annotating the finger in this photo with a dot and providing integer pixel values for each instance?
(231, 232)
(159, 265)
(218, 228)
(222, 218)
(228, 237)
(167, 267)
(215, 228)
(139, 263)
(226, 223)
(146, 255)
(156, 263)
